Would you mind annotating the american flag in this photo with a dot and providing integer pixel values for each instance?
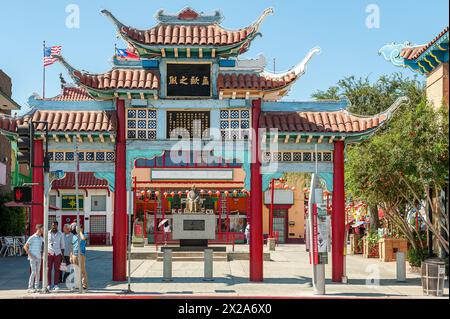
(48, 52)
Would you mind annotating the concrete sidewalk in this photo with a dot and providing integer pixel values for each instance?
(287, 275)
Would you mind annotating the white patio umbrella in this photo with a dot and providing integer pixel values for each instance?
(162, 222)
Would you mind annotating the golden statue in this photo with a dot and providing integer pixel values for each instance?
(193, 201)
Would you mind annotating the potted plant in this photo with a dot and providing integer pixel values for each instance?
(415, 258)
(370, 242)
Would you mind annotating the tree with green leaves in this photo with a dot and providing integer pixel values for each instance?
(370, 98)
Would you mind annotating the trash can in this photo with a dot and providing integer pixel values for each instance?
(433, 277)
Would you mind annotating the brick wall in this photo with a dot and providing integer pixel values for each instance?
(437, 86)
(5, 145)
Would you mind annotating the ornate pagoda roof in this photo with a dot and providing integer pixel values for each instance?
(73, 121)
(7, 123)
(72, 93)
(269, 85)
(339, 122)
(106, 85)
(412, 53)
(189, 29)
(422, 58)
(85, 180)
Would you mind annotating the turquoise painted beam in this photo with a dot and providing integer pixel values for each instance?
(267, 177)
(305, 106)
(327, 178)
(109, 176)
(62, 145)
(297, 168)
(84, 167)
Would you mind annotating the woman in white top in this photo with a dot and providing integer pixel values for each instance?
(166, 232)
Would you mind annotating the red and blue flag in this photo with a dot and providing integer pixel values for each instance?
(125, 53)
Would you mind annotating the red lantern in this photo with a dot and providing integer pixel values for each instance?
(286, 186)
(187, 192)
(218, 193)
(235, 192)
(202, 191)
(293, 188)
(209, 193)
(180, 193)
(226, 193)
(157, 193)
(172, 194)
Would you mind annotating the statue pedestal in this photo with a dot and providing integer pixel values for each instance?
(194, 230)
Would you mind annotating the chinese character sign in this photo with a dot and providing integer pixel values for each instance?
(186, 80)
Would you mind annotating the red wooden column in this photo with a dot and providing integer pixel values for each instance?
(338, 213)
(256, 226)
(120, 198)
(37, 210)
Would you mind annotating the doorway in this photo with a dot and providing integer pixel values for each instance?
(280, 224)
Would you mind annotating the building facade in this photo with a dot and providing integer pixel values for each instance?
(429, 59)
(9, 168)
(189, 111)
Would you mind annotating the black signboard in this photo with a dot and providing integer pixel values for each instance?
(190, 225)
(188, 80)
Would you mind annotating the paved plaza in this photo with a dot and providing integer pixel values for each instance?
(288, 274)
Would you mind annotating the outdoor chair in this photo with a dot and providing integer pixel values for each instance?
(7, 246)
(2, 246)
(20, 242)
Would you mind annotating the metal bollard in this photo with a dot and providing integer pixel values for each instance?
(401, 266)
(208, 260)
(319, 287)
(167, 265)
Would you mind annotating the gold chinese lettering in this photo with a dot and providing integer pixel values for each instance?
(173, 80)
(205, 80)
(195, 80)
(184, 80)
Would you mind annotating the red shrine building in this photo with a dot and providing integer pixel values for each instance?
(180, 108)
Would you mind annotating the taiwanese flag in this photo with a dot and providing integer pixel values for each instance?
(126, 54)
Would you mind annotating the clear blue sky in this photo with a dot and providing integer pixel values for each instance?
(338, 27)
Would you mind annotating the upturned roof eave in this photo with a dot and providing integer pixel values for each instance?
(254, 26)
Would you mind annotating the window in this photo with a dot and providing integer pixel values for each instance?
(52, 200)
(297, 156)
(235, 124)
(83, 156)
(181, 123)
(97, 224)
(98, 203)
(141, 124)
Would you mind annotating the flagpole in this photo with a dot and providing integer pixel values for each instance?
(43, 72)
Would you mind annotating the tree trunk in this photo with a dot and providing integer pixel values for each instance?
(374, 220)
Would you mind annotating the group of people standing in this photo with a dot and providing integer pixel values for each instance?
(63, 250)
